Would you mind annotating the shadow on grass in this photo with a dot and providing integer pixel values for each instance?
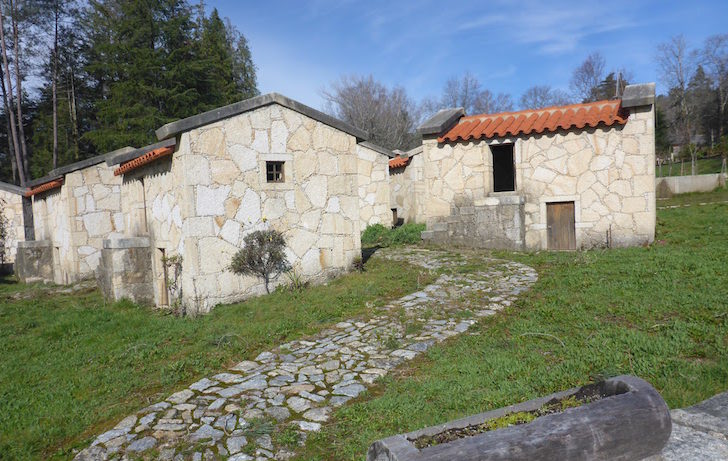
(6, 278)
(367, 253)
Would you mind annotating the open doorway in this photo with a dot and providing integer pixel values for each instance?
(504, 168)
(162, 279)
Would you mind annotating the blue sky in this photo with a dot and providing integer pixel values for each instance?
(300, 47)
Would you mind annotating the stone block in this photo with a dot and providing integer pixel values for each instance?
(34, 261)
(124, 270)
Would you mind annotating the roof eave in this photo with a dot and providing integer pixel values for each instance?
(134, 153)
(190, 123)
(442, 121)
(12, 188)
(642, 94)
(376, 148)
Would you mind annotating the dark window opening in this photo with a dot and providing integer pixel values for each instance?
(274, 171)
(504, 169)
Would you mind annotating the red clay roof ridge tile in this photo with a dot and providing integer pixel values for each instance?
(548, 119)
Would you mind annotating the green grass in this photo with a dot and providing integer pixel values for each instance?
(718, 195)
(378, 235)
(704, 166)
(659, 312)
(73, 365)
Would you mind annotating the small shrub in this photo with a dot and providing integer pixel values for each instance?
(375, 234)
(407, 234)
(379, 235)
(296, 281)
(262, 256)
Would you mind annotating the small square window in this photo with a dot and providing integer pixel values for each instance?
(274, 171)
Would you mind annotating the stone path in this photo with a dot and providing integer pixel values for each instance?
(295, 387)
(699, 432)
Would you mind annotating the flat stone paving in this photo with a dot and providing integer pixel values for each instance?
(230, 415)
(700, 432)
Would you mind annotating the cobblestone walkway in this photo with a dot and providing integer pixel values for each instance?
(231, 415)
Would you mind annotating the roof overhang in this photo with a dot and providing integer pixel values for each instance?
(642, 94)
(441, 122)
(12, 188)
(172, 129)
(44, 187)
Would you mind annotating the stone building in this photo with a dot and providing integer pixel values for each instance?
(11, 207)
(568, 177)
(188, 201)
(75, 208)
(406, 182)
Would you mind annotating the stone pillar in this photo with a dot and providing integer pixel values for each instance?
(34, 261)
(125, 270)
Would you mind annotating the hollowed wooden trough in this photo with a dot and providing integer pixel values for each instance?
(631, 422)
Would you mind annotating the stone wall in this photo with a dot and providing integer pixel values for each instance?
(407, 188)
(77, 217)
(52, 224)
(668, 186)
(95, 214)
(11, 206)
(495, 222)
(123, 272)
(607, 172)
(204, 199)
(373, 170)
(34, 261)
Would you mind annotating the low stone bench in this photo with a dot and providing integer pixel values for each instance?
(632, 422)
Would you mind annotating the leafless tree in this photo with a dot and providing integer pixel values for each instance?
(388, 115)
(677, 65)
(715, 59)
(587, 77)
(540, 96)
(468, 93)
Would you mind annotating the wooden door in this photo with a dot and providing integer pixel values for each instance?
(561, 230)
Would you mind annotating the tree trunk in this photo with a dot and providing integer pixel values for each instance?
(9, 105)
(74, 116)
(13, 162)
(55, 86)
(19, 89)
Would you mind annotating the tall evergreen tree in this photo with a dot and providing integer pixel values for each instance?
(151, 64)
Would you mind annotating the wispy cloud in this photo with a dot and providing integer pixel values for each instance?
(483, 21)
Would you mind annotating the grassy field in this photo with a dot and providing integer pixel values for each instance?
(704, 166)
(73, 365)
(659, 312)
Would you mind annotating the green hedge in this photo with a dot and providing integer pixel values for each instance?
(380, 235)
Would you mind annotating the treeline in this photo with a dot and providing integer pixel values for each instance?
(692, 115)
(693, 111)
(110, 72)
(391, 116)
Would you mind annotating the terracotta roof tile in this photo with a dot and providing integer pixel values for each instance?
(549, 119)
(399, 162)
(143, 160)
(44, 187)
